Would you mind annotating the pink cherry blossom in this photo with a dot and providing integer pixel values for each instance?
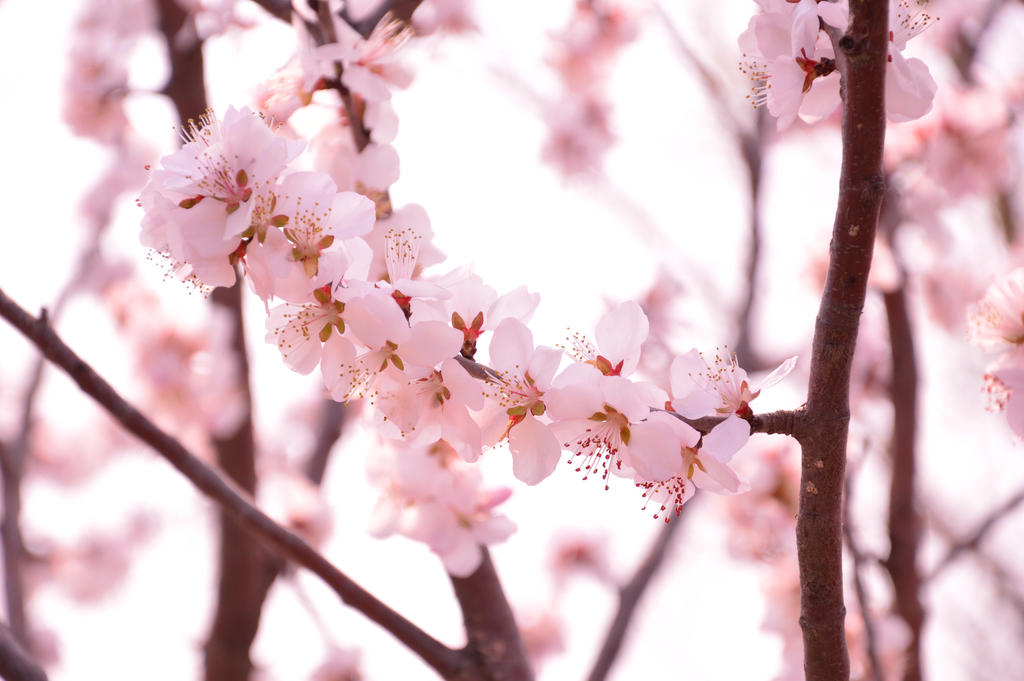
(526, 373)
(474, 307)
(435, 406)
(228, 161)
(620, 334)
(700, 388)
(387, 344)
(701, 465)
(306, 220)
(300, 331)
(996, 322)
(595, 416)
(434, 497)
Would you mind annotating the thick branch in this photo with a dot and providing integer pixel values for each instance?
(15, 664)
(492, 636)
(245, 569)
(861, 55)
(227, 494)
(629, 600)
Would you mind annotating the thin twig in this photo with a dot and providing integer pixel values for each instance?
(228, 495)
(12, 465)
(973, 539)
(859, 560)
(629, 599)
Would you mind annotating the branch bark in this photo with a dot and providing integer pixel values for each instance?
(904, 521)
(823, 429)
(492, 637)
(448, 663)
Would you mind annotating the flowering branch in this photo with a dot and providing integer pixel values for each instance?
(15, 664)
(823, 429)
(232, 499)
(629, 599)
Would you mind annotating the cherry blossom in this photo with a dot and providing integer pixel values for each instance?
(996, 322)
(620, 334)
(299, 331)
(909, 86)
(473, 307)
(526, 373)
(792, 67)
(435, 406)
(199, 204)
(702, 464)
(434, 497)
(700, 389)
(387, 344)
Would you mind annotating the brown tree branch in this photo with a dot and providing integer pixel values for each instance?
(448, 663)
(15, 663)
(629, 600)
(493, 641)
(904, 521)
(823, 429)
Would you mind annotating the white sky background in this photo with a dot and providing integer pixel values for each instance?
(469, 138)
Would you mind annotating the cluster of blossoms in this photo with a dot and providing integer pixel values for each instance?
(791, 60)
(996, 324)
(584, 52)
(346, 292)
